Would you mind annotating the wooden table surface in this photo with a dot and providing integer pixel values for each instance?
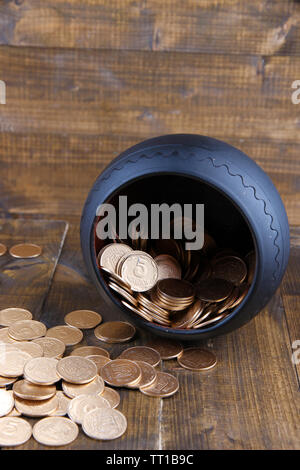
(84, 81)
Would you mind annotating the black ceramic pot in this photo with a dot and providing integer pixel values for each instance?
(242, 209)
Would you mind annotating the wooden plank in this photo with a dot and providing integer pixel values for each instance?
(291, 296)
(210, 26)
(250, 400)
(87, 92)
(71, 289)
(54, 166)
(25, 283)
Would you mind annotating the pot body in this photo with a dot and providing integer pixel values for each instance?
(232, 174)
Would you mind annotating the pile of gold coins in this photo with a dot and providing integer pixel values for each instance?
(174, 287)
(38, 379)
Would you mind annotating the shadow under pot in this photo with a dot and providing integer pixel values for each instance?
(212, 290)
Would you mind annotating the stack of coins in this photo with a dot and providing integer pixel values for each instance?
(174, 287)
(38, 379)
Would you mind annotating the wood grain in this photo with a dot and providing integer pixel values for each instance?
(210, 26)
(250, 400)
(25, 283)
(69, 112)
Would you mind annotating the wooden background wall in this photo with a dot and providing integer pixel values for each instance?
(88, 78)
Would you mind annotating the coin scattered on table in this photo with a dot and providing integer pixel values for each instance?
(121, 373)
(34, 408)
(95, 387)
(69, 335)
(35, 350)
(25, 250)
(81, 405)
(55, 431)
(12, 363)
(26, 330)
(3, 249)
(6, 402)
(29, 391)
(4, 336)
(142, 353)
(104, 424)
(89, 351)
(83, 319)
(197, 359)
(148, 374)
(9, 316)
(76, 369)
(52, 347)
(100, 361)
(166, 348)
(41, 371)
(14, 431)
(63, 403)
(112, 396)
(115, 332)
(165, 385)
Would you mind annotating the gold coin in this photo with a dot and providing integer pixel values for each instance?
(69, 335)
(55, 431)
(95, 387)
(121, 372)
(6, 402)
(41, 371)
(112, 396)
(164, 386)
(5, 338)
(140, 313)
(100, 361)
(104, 424)
(29, 347)
(14, 413)
(25, 250)
(83, 319)
(142, 299)
(3, 249)
(63, 403)
(76, 369)
(214, 290)
(142, 353)
(4, 381)
(52, 347)
(115, 277)
(140, 271)
(30, 391)
(168, 267)
(14, 431)
(185, 318)
(12, 363)
(115, 332)
(166, 348)
(81, 405)
(89, 351)
(209, 322)
(197, 359)
(231, 268)
(8, 316)
(110, 255)
(148, 374)
(25, 330)
(36, 409)
(176, 289)
(123, 293)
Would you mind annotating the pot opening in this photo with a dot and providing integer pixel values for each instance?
(220, 273)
